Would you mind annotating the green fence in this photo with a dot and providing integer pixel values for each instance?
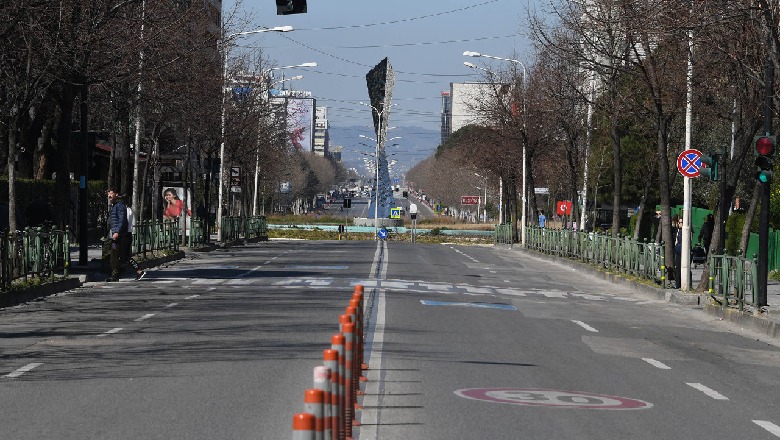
(41, 252)
(503, 234)
(155, 237)
(617, 254)
(234, 228)
(733, 280)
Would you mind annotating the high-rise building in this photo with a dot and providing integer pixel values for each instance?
(446, 116)
(321, 132)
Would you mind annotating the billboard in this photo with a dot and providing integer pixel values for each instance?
(300, 123)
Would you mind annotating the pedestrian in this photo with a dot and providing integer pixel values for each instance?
(542, 219)
(117, 230)
(127, 245)
(677, 225)
(705, 235)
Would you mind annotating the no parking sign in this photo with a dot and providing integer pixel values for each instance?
(689, 163)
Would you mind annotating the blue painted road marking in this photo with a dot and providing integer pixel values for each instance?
(468, 304)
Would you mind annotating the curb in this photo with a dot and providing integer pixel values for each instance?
(755, 322)
(13, 298)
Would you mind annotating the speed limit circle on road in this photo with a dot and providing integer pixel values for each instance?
(552, 398)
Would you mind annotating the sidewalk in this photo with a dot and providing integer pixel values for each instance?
(766, 321)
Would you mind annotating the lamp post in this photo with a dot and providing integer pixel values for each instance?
(379, 145)
(525, 160)
(225, 40)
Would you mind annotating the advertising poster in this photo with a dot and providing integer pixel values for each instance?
(174, 206)
(300, 123)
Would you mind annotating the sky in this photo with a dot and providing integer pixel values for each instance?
(424, 41)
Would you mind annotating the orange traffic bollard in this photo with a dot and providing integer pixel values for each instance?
(312, 404)
(303, 426)
(331, 358)
(337, 343)
(321, 378)
(348, 329)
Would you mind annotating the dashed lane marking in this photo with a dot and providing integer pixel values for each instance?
(708, 391)
(171, 305)
(110, 332)
(585, 326)
(657, 364)
(145, 317)
(20, 371)
(192, 297)
(769, 426)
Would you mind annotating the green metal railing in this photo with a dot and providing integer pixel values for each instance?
(195, 234)
(233, 228)
(39, 252)
(504, 234)
(618, 254)
(155, 237)
(733, 280)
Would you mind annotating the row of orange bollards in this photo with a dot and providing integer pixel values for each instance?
(329, 407)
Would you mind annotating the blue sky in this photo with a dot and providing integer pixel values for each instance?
(424, 41)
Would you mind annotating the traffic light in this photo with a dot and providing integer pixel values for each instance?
(710, 166)
(765, 150)
(286, 7)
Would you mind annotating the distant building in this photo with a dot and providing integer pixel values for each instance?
(336, 152)
(464, 103)
(321, 132)
(446, 116)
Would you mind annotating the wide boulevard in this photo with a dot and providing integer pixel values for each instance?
(463, 342)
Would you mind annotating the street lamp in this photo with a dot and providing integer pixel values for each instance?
(225, 40)
(484, 202)
(525, 160)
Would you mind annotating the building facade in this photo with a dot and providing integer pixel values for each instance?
(321, 136)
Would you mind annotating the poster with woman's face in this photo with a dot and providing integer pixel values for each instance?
(177, 206)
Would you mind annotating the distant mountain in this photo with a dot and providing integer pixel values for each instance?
(414, 145)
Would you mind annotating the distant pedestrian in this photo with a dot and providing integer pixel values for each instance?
(117, 229)
(705, 235)
(677, 251)
(542, 219)
(127, 244)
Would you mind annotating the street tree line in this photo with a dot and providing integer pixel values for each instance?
(146, 77)
(603, 109)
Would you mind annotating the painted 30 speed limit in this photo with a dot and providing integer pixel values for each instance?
(552, 398)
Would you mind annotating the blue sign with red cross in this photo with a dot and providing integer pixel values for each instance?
(689, 163)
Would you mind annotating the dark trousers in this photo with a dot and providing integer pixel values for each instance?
(114, 258)
(677, 270)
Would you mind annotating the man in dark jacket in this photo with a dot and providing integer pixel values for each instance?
(117, 229)
(705, 235)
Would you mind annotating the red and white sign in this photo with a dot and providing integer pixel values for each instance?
(689, 163)
(552, 398)
(469, 200)
(563, 208)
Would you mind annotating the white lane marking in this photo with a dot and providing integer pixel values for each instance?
(192, 297)
(376, 337)
(657, 364)
(769, 426)
(23, 370)
(171, 305)
(110, 332)
(585, 326)
(145, 317)
(708, 391)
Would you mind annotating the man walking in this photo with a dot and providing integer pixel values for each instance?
(117, 229)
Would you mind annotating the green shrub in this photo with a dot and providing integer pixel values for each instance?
(734, 224)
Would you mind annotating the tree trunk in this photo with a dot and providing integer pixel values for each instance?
(13, 140)
(618, 171)
(643, 201)
(62, 208)
(749, 214)
(663, 186)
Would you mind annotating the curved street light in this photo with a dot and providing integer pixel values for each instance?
(523, 218)
(225, 50)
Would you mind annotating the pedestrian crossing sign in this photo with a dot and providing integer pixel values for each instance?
(395, 212)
